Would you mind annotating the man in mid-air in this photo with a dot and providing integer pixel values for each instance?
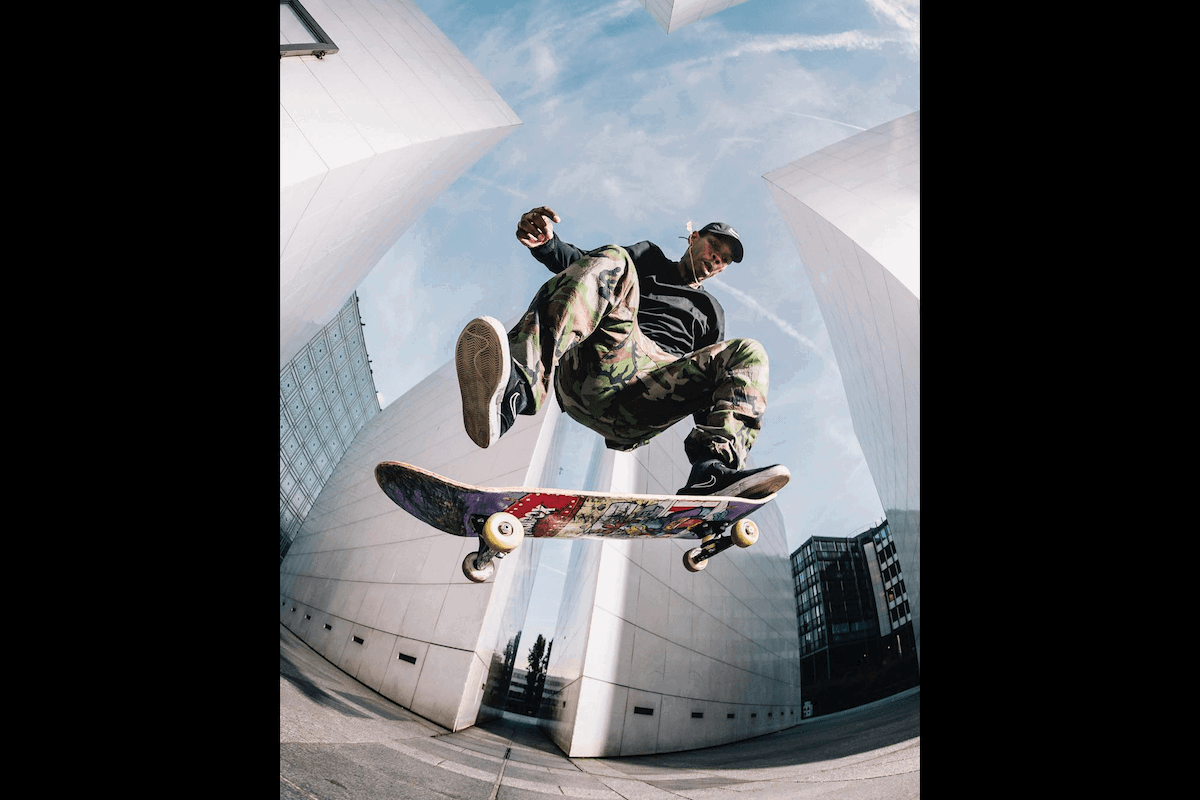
(632, 344)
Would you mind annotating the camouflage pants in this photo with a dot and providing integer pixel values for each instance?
(581, 332)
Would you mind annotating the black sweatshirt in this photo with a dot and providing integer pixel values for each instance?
(677, 317)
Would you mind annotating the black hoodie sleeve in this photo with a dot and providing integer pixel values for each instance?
(556, 254)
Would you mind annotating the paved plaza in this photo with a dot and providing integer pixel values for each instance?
(339, 739)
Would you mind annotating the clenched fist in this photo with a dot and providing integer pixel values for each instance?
(536, 227)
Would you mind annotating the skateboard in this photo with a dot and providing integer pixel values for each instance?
(503, 517)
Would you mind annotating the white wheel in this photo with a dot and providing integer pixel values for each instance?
(745, 533)
(502, 532)
(690, 563)
(477, 575)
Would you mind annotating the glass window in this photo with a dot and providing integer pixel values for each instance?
(299, 33)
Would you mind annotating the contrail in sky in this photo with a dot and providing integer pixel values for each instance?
(809, 116)
(783, 324)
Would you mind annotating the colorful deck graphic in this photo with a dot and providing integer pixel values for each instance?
(460, 509)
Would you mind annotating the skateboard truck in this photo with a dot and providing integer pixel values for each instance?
(744, 534)
(499, 534)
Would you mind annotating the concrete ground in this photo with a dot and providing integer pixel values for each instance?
(339, 739)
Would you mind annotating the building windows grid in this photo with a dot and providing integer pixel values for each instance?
(853, 620)
(835, 599)
(321, 410)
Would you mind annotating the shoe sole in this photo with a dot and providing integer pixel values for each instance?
(481, 359)
(760, 485)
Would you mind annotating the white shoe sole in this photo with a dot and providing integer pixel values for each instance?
(759, 485)
(482, 361)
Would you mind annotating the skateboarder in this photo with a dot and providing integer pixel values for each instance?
(632, 344)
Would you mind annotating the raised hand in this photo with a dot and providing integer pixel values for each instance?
(537, 226)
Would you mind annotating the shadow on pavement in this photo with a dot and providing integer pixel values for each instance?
(882, 724)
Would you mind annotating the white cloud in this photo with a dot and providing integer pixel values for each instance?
(545, 67)
(846, 40)
(906, 16)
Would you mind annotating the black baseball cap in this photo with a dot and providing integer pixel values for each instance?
(721, 229)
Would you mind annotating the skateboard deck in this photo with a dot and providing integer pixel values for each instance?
(457, 508)
(464, 510)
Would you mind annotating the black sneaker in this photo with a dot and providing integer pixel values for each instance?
(713, 477)
(492, 391)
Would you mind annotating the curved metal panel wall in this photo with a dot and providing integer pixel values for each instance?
(656, 659)
(382, 595)
(854, 209)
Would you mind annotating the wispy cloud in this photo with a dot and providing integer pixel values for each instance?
(530, 51)
(901, 25)
(846, 40)
(906, 16)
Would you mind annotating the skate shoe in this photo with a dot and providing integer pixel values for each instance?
(713, 477)
(492, 391)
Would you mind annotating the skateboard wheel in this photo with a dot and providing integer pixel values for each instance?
(690, 563)
(745, 533)
(477, 575)
(502, 532)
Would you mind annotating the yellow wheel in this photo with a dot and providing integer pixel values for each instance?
(477, 574)
(745, 533)
(502, 532)
(690, 563)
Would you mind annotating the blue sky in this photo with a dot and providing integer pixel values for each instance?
(629, 134)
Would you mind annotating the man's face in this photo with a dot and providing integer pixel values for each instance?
(707, 254)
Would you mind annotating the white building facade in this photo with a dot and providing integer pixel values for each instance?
(369, 135)
(647, 657)
(651, 658)
(854, 209)
(672, 15)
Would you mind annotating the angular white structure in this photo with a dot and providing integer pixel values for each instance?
(854, 209)
(650, 658)
(368, 136)
(647, 657)
(672, 15)
(381, 595)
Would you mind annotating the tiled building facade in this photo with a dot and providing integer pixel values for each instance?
(326, 395)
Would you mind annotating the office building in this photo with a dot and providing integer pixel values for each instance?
(835, 601)
(853, 621)
(326, 394)
(854, 210)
